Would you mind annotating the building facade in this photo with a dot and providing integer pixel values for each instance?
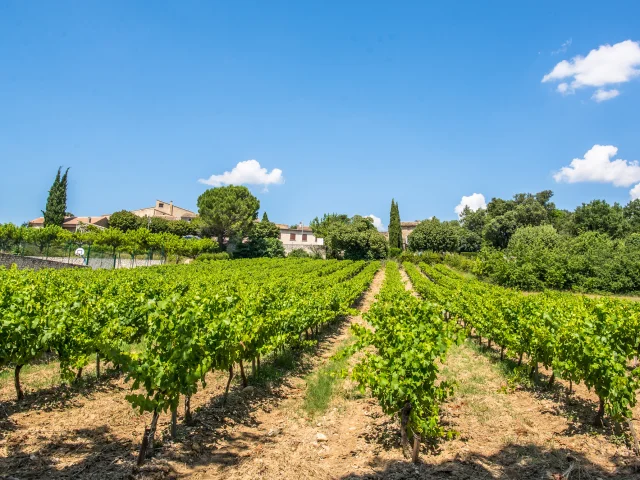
(301, 237)
(166, 210)
(73, 224)
(407, 228)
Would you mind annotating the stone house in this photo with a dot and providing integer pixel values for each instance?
(300, 237)
(73, 224)
(166, 210)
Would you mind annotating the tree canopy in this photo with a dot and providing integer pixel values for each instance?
(228, 212)
(124, 220)
(353, 238)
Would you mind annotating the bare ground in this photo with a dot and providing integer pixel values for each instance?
(505, 431)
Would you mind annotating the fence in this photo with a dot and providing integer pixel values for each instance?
(90, 255)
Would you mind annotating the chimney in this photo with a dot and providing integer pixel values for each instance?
(171, 208)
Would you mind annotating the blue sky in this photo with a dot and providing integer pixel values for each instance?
(355, 102)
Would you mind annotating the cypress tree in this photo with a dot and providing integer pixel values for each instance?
(264, 217)
(56, 207)
(399, 227)
(395, 232)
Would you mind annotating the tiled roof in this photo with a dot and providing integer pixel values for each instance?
(72, 220)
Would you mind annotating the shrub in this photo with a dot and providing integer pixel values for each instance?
(298, 253)
(211, 257)
(394, 252)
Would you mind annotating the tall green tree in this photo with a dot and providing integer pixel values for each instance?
(350, 238)
(436, 236)
(395, 231)
(599, 216)
(56, 208)
(265, 218)
(125, 221)
(228, 212)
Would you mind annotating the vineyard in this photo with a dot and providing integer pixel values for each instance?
(174, 334)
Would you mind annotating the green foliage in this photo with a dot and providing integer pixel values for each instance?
(189, 319)
(631, 214)
(538, 257)
(10, 236)
(411, 339)
(395, 230)
(436, 236)
(260, 247)
(359, 240)
(350, 238)
(298, 253)
(265, 218)
(394, 252)
(263, 241)
(498, 230)
(581, 339)
(157, 224)
(264, 229)
(111, 238)
(212, 257)
(183, 228)
(43, 237)
(125, 221)
(228, 212)
(599, 216)
(56, 208)
(473, 221)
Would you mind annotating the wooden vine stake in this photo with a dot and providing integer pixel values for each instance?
(243, 376)
(226, 390)
(416, 448)
(142, 454)
(174, 423)
(404, 421)
(187, 410)
(16, 379)
(634, 435)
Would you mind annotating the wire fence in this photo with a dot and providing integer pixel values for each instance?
(91, 255)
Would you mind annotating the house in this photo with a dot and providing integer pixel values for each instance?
(407, 228)
(73, 224)
(166, 210)
(300, 237)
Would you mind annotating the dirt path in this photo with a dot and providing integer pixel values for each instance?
(284, 442)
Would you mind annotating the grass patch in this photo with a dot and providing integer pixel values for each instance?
(274, 367)
(322, 385)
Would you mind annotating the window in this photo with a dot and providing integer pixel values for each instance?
(292, 237)
(304, 237)
(160, 205)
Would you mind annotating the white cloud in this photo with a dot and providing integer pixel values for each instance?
(565, 89)
(248, 172)
(473, 201)
(635, 192)
(598, 166)
(377, 222)
(606, 65)
(563, 48)
(601, 94)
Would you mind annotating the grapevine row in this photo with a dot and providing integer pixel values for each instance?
(187, 320)
(410, 337)
(581, 339)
